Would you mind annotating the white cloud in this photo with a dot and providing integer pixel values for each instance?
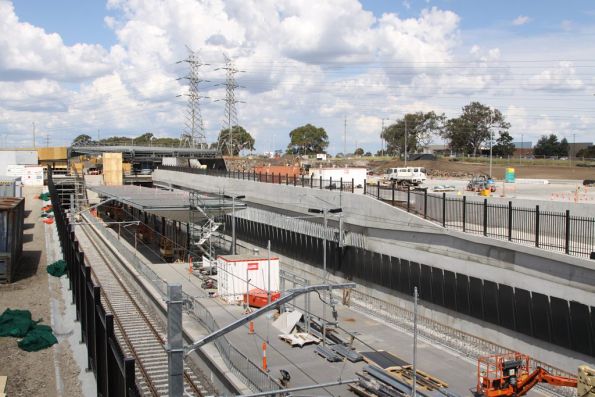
(304, 62)
(28, 52)
(562, 78)
(521, 20)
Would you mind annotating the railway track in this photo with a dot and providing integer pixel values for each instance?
(139, 335)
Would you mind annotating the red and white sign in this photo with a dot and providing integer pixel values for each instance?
(253, 266)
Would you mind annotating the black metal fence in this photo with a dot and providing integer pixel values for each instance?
(556, 231)
(340, 184)
(114, 372)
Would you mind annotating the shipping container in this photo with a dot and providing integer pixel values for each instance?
(12, 218)
(358, 175)
(233, 269)
(31, 175)
(10, 186)
(16, 157)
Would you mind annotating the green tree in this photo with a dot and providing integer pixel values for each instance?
(308, 139)
(419, 128)
(504, 146)
(82, 139)
(469, 131)
(588, 152)
(359, 151)
(547, 146)
(563, 148)
(241, 139)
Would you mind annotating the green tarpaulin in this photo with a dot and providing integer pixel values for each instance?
(15, 323)
(39, 338)
(57, 269)
(18, 323)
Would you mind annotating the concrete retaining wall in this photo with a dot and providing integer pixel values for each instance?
(393, 231)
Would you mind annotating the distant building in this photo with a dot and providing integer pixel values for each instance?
(574, 148)
(523, 148)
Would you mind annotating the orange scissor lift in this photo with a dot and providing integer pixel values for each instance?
(510, 374)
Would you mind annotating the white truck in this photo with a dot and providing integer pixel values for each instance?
(406, 175)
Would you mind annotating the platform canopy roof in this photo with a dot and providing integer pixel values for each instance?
(171, 204)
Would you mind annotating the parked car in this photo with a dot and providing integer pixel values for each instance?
(406, 176)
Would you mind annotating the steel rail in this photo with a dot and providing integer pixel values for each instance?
(145, 318)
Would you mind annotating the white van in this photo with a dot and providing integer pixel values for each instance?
(406, 175)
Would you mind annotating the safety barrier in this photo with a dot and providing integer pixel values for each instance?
(114, 371)
(555, 231)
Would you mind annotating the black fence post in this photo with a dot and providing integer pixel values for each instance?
(279, 178)
(129, 376)
(537, 226)
(302, 180)
(311, 182)
(352, 184)
(378, 190)
(253, 175)
(567, 238)
(321, 181)
(330, 183)
(408, 198)
(485, 217)
(426, 204)
(365, 183)
(294, 179)
(341, 185)
(464, 213)
(393, 194)
(510, 221)
(443, 209)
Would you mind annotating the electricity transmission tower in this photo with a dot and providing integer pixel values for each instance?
(231, 113)
(194, 130)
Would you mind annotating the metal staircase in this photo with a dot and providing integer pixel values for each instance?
(201, 224)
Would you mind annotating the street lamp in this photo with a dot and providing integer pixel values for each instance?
(233, 220)
(324, 212)
(491, 144)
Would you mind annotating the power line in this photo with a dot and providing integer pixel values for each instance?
(194, 131)
(231, 112)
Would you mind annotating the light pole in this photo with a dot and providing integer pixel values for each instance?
(324, 212)
(521, 151)
(406, 136)
(491, 143)
(233, 220)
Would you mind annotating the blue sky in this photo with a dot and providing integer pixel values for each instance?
(75, 21)
(114, 69)
(83, 21)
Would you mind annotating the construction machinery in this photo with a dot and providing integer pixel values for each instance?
(166, 248)
(510, 374)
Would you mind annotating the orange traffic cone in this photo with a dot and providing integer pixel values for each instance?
(264, 356)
